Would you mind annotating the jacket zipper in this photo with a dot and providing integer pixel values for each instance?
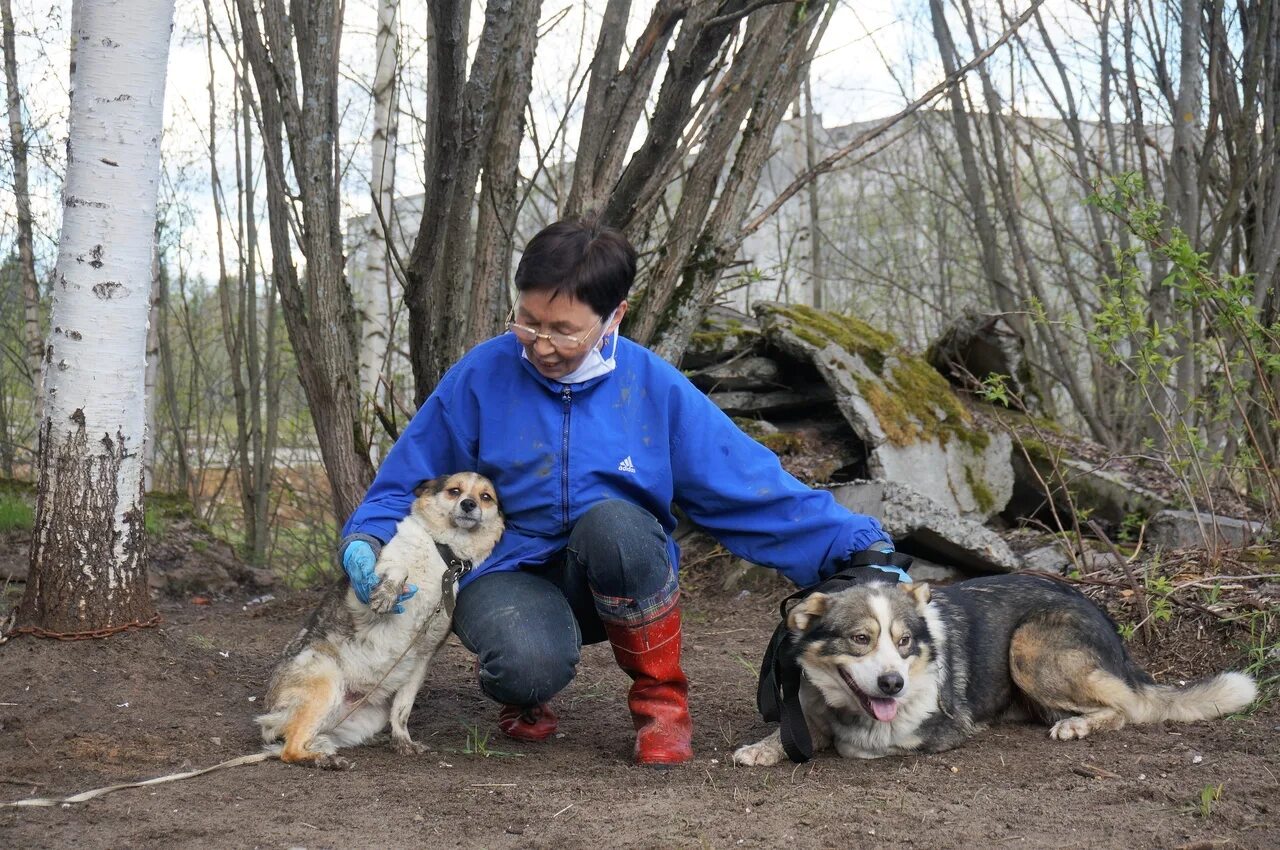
(567, 395)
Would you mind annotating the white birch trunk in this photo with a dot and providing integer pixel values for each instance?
(376, 286)
(88, 569)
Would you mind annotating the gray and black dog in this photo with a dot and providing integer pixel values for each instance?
(892, 669)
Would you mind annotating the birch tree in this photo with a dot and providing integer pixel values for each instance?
(88, 568)
(378, 283)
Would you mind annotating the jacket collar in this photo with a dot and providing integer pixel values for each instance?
(552, 385)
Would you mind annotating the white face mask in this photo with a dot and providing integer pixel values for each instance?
(595, 363)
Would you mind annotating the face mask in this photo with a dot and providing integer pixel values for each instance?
(595, 363)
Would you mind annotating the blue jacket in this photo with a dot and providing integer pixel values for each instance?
(642, 433)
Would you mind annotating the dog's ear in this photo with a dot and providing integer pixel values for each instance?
(431, 486)
(919, 591)
(808, 612)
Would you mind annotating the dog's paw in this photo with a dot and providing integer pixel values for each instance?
(328, 762)
(407, 747)
(762, 754)
(384, 597)
(1072, 727)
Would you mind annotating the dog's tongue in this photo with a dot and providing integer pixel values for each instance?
(884, 709)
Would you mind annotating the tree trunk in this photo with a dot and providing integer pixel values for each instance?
(88, 566)
(496, 218)
(230, 288)
(22, 200)
(703, 33)
(1184, 187)
(615, 100)
(1002, 293)
(461, 123)
(378, 283)
(815, 208)
(298, 103)
(151, 389)
(775, 55)
(685, 246)
(169, 378)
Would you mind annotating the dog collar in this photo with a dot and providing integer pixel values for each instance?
(455, 568)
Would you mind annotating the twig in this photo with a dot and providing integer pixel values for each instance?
(1138, 592)
(387, 425)
(562, 811)
(1102, 582)
(884, 126)
(1201, 582)
(1094, 772)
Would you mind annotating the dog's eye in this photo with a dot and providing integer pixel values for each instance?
(454, 491)
(862, 640)
(486, 497)
(904, 641)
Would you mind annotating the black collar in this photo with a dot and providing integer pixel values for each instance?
(460, 566)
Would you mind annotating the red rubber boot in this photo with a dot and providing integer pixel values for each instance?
(536, 723)
(659, 697)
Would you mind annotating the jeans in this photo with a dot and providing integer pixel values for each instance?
(527, 627)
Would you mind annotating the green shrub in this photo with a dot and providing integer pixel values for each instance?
(16, 513)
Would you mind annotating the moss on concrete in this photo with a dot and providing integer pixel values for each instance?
(911, 401)
(981, 492)
(819, 329)
(781, 443)
(914, 404)
(713, 336)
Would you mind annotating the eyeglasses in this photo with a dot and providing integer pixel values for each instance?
(561, 342)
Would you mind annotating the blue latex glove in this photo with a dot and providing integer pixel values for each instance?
(357, 562)
(887, 548)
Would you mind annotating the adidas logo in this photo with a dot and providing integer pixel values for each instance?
(627, 466)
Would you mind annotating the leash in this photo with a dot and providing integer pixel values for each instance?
(778, 694)
(456, 568)
(172, 777)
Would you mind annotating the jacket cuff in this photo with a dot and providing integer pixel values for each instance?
(872, 539)
(367, 538)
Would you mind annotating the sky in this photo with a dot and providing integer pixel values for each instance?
(876, 56)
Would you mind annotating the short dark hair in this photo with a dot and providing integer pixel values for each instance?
(584, 260)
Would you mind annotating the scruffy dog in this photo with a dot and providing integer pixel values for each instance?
(889, 671)
(333, 687)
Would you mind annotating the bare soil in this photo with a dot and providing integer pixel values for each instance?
(75, 716)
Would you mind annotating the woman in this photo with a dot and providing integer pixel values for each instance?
(589, 439)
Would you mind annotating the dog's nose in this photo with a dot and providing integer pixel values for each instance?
(468, 505)
(890, 683)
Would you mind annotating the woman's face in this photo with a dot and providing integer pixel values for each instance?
(561, 316)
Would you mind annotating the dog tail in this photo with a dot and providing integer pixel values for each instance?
(1205, 699)
(272, 725)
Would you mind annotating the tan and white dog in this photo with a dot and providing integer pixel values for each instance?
(355, 666)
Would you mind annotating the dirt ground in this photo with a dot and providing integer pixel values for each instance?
(75, 716)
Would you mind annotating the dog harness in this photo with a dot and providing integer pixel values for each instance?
(455, 569)
(778, 695)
